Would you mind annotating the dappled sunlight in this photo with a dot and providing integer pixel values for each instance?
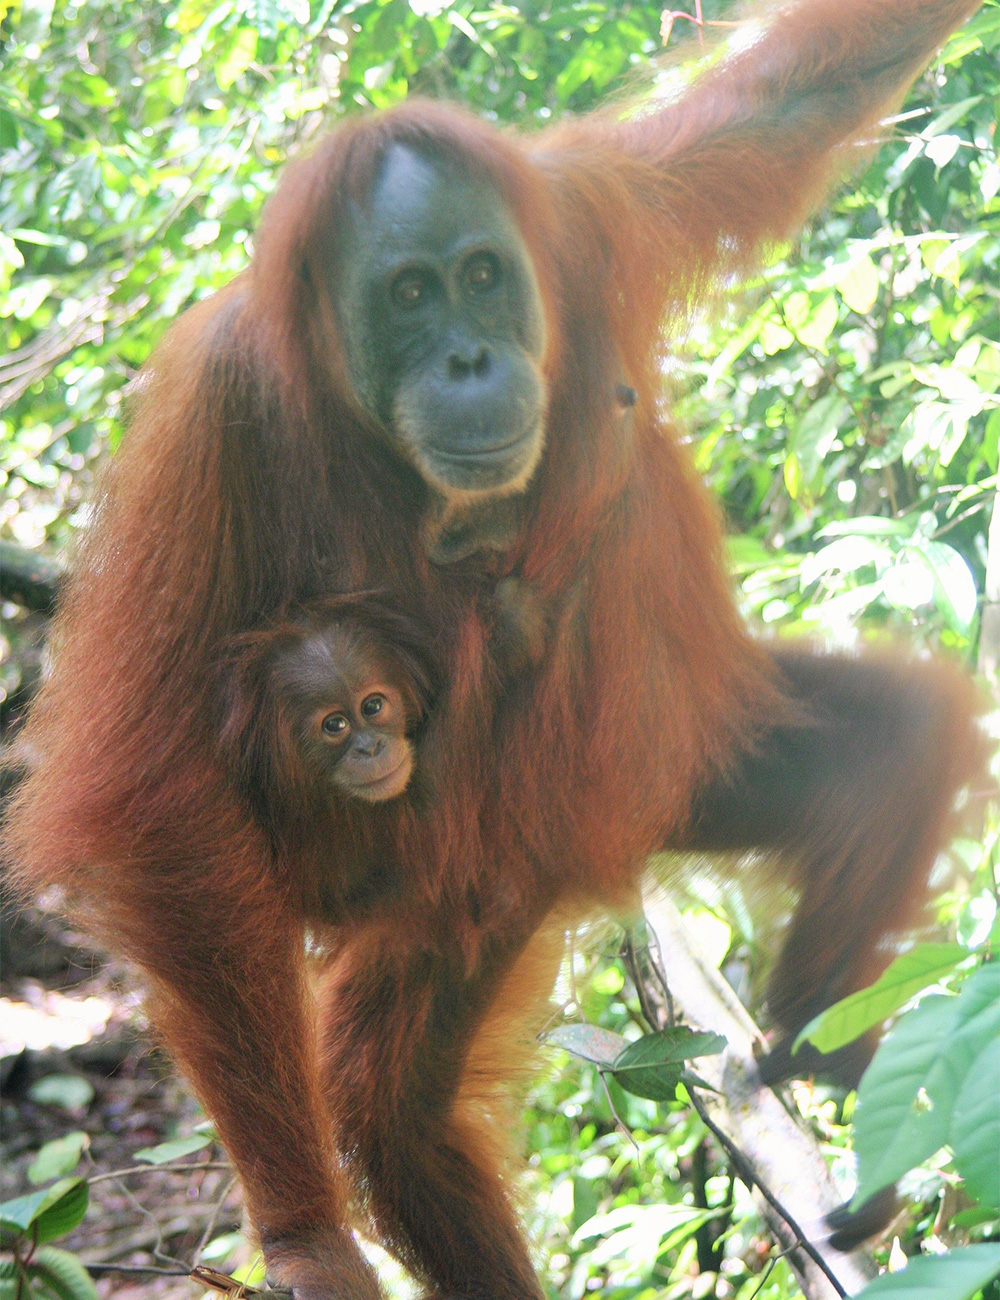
(50, 1019)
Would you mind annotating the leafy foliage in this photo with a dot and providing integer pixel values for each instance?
(958, 1276)
(849, 413)
(50, 1274)
(907, 1101)
(932, 1084)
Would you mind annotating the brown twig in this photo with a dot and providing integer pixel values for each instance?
(231, 1287)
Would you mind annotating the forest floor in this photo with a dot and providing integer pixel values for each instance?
(76, 1057)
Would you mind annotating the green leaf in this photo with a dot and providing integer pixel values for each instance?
(954, 586)
(10, 1281)
(940, 257)
(531, 52)
(942, 149)
(846, 555)
(586, 1200)
(237, 58)
(671, 1045)
(68, 1091)
(815, 434)
(65, 1213)
(609, 981)
(62, 1273)
(17, 1215)
(47, 1213)
(637, 1235)
(793, 476)
(955, 1276)
(748, 553)
(655, 1083)
(8, 130)
(893, 1131)
(164, 1152)
(859, 285)
(974, 1216)
(907, 976)
(651, 1067)
(190, 14)
(980, 996)
(816, 329)
(907, 1097)
(220, 1248)
(624, 1225)
(254, 1273)
(975, 1127)
(57, 1158)
(908, 585)
(775, 337)
(600, 1046)
(943, 122)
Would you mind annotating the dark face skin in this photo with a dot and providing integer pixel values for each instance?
(443, 326)
(350, 711)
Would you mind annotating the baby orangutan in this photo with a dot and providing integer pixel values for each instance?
(351, 710)
(330, 698)
(333, 696)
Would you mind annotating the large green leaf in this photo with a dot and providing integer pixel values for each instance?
(908, 1095)
(955, 1276)
(57, 1158)
(902, 980)
(57, 1273)
(47, 1213)
(975, 1127)
(653, 1065)
(893, 1129)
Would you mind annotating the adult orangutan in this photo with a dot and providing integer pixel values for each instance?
(441, 373)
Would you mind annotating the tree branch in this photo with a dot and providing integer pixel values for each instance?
(770, 1148)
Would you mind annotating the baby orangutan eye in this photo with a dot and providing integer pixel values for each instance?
(409, 289)
(335, 725)
(372, 706)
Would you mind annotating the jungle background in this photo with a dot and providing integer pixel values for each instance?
(844, 407)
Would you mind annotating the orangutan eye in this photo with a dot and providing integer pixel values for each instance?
(409, 288)
(482, 271)
(335, 725)
(372, 706)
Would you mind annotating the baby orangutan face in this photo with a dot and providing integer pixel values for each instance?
(351, 708)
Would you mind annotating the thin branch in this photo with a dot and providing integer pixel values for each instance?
(109, 1267)
(620, 1124)
(772, 1151)
(210, 1226)
(741, 1163)
(183, 1168)
(752, 1179)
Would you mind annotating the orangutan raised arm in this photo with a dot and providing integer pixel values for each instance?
(713, 170)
